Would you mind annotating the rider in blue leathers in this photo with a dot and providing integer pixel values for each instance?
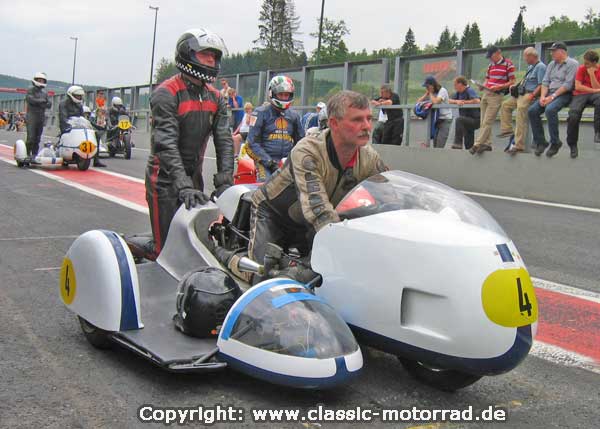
(275, 128)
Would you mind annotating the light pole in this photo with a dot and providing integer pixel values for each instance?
(522, 10)
(153, 44)
(74, 58)
(320, 32)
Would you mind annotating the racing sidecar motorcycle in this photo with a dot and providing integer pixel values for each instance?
(120, 140)
(415, 269)
(78, 146)
(418, 270)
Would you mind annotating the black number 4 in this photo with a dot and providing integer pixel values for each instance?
(524, 304)
(67, 285)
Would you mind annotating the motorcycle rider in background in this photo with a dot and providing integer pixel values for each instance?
(116, 109)
(37, 103)
(186, 111)
(275, 128)
(72, 105)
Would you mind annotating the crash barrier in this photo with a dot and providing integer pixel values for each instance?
(316, 83)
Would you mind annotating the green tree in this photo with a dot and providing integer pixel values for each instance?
(164, 70)
(445, 44)
(562, 28)
(518, 32)
(333, 48)
(464, 39)
(277, 30)
(474, 41)
(454, 40)
(410, 46)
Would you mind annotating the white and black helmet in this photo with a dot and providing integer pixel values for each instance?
(76, 93)
(198, 40)
(40, 80)
(116, 101)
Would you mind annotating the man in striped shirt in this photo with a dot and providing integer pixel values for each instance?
(499, 77)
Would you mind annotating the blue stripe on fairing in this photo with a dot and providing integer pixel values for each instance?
(129, 319)
(477, 366)
(505, 253)
(288, 298)
(341, 376)
(239, 306)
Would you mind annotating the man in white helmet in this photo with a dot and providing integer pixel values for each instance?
(72, 105)
(37, 103)
(116, 109)
(186, 111)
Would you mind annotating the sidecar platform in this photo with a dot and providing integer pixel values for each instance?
(159, 340)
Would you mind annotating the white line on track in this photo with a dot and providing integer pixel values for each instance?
(567, 290)
(50, 237)
(122, 176)
(47, 269)
(536, 202)
(563, 357)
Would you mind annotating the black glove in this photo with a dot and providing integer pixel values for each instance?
(190, 197)
(222, 181)
(272, 166)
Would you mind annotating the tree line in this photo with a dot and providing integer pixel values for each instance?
(278, 46)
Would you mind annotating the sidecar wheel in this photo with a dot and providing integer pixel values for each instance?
(95, 336)
(448, 380)
(83, 164)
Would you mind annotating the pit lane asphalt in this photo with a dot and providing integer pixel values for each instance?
(51, 377)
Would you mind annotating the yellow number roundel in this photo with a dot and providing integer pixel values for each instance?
(508, 298)
(68, 284)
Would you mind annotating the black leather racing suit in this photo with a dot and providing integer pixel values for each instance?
(113, 121)
(66, 109)
(183, 117)
(37, 103)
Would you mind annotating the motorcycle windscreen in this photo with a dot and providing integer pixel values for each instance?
(398, 190)
(280, 332)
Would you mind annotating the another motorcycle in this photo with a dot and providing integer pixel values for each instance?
(78, 146)
(120, 140)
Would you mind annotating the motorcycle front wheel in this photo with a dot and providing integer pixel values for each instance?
(127, 142)
(447, 380)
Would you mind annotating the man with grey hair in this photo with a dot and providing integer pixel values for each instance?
(523, 94)
(555, 94)
(300, 199)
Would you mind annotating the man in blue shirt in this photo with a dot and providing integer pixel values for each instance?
(275, 128)
(235, 101)
(311, 119)
(469, 119)
(528, 90)
(556, 93)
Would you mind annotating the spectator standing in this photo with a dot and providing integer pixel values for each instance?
(586, 93)
(225, 89)
(469, 119)
(235, 101)
(311, 119)
(437, 94)
(100, 100)
(499, 77)
(241, 132)
(11, 120)
(393, 129)
(527, 91)
(555, 94)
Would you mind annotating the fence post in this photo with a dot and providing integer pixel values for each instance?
(459, 62)
(347, 79)
(385, 75)
(261, 88)
(303, 91)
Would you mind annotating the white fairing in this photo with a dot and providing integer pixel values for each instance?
(70, 142)
(229, 200)
(183, 250)
(106, 291)
(20, 150)
(426, 288)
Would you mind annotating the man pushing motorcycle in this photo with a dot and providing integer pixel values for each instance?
(186, 111)
(300, 199)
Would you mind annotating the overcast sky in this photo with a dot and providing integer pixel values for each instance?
(115, 37)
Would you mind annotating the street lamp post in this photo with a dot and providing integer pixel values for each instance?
(153, 44)
(320, 32)
(74, 59)
(522, 10)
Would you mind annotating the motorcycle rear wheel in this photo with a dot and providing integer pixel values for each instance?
(83, 164)
(447, 380)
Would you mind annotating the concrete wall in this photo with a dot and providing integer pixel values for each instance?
(559, 179)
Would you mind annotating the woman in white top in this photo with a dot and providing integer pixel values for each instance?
(240, 134)
(437, 94)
